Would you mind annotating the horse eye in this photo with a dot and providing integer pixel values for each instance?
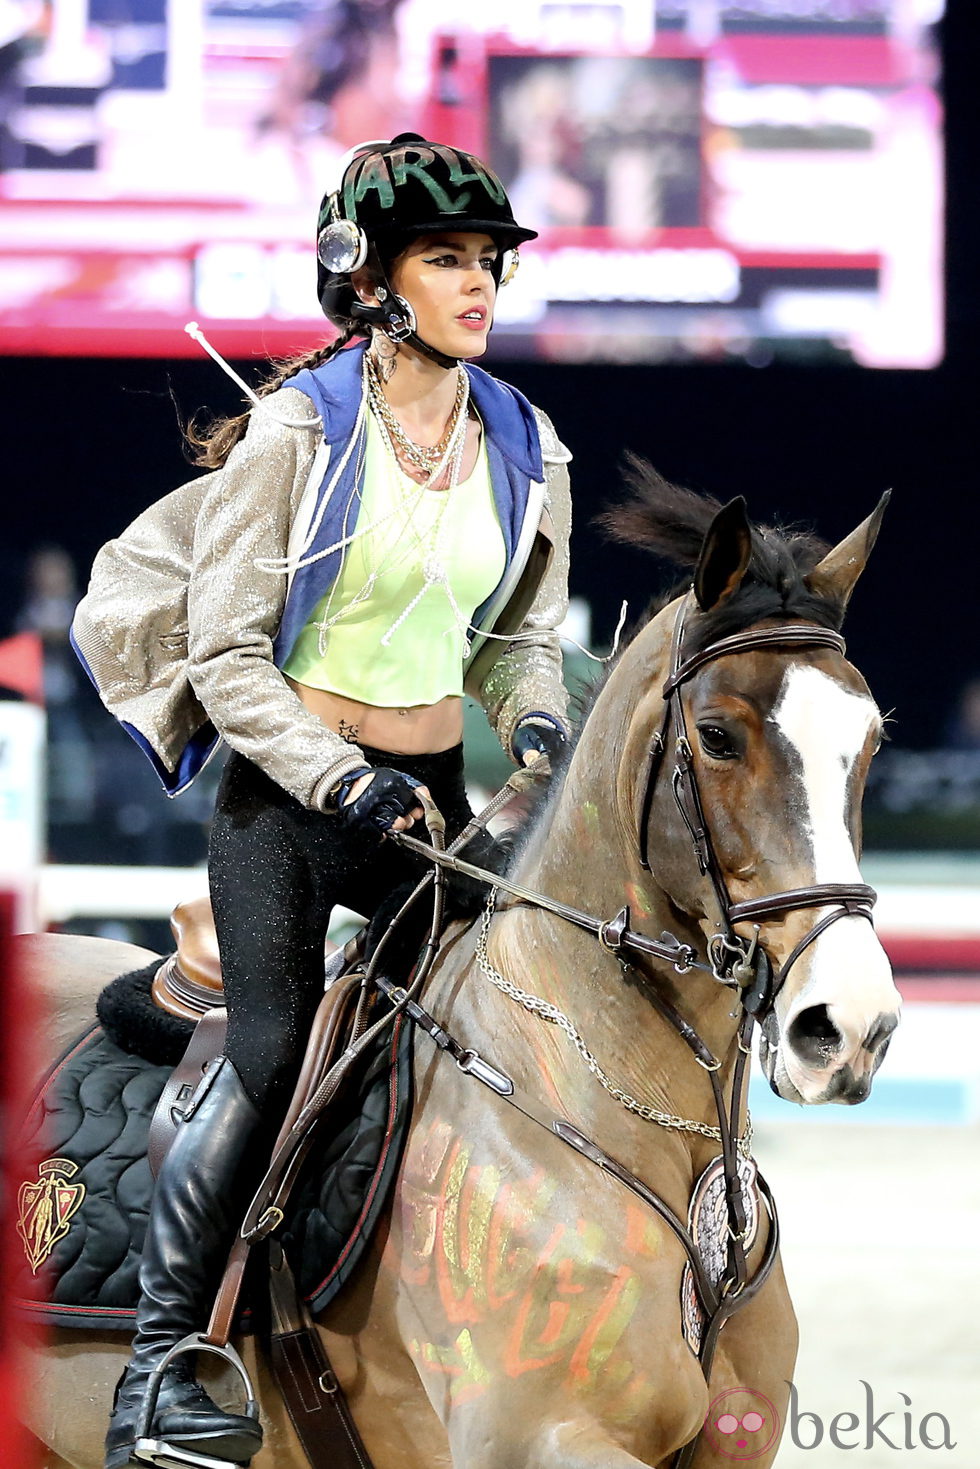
(716, 742)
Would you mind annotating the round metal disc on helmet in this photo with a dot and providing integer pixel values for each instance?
(341, 247)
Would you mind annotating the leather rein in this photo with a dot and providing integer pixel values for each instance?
(738, 962)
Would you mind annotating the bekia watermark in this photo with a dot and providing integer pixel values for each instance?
(896, 1428)
(742, 1424)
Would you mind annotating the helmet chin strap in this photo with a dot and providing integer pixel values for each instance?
(394, 316)
(414, 340)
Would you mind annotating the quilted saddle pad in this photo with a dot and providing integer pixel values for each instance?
(83, 1201)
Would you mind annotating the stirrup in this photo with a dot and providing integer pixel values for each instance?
(165, 1456)
(169, 1456)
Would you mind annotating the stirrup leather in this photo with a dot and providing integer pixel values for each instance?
(157, 1451)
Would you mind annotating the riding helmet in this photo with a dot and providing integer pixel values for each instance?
(390, 193)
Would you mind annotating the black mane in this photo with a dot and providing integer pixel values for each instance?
(672, 522)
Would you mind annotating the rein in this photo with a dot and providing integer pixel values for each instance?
(614, 933)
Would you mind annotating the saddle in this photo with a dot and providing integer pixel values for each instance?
(105, 1110)
(188, 982)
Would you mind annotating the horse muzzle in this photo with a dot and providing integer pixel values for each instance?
(822, 1054)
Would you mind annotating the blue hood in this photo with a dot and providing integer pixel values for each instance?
(335, 390)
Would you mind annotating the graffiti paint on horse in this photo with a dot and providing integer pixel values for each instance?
(473, 1235)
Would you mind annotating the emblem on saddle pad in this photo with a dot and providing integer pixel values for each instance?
(45, 1209)
(707, 1220)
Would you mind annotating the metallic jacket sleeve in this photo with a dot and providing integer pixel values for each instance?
(234, 610)
(527, 676)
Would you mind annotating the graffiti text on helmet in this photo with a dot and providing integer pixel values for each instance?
(383, 173)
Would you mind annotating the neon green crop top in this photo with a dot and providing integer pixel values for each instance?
(381, 635)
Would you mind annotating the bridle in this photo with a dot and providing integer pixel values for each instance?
(738, 962)
(735, 960)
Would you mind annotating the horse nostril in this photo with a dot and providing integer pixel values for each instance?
(880, 1032)
(814, 1036)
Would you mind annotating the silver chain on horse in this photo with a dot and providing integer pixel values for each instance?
(545, 1010)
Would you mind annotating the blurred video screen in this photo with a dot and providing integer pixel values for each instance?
(712, 180)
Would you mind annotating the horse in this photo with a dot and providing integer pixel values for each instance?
(521, 1306)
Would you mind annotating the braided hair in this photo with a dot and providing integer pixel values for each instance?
(209, 444)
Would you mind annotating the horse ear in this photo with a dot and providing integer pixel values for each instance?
(835, 576)
(725, 555)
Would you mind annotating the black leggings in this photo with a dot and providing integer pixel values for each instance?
(276, 870)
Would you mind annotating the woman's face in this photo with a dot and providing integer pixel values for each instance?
(448, 280)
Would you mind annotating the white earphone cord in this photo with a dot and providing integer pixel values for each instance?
(193, 330)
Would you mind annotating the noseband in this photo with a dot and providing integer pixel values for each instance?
(739, 962)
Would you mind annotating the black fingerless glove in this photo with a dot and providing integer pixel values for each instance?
(534, 732)
(390, 794)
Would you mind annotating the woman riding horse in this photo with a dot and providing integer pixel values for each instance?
(392, 527)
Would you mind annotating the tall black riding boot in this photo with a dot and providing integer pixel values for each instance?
(200, 1198)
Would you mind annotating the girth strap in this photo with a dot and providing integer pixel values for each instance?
(306, 1379)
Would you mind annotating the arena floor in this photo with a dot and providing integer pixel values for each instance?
(881, 1243)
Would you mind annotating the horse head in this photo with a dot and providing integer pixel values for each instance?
(739, 777)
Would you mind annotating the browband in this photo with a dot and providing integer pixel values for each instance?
(784, 635)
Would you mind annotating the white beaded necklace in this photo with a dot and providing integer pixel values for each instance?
(433, 567)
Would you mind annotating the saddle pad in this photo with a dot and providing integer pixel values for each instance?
(83, 1204)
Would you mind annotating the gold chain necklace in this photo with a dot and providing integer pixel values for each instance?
(424, 457)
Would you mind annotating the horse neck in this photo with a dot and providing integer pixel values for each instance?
(585, 850)
(585, 853)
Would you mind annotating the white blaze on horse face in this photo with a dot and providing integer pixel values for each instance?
(846, 970)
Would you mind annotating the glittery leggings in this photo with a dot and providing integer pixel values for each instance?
(276, 870)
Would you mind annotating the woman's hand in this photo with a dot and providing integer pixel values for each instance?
(539, 736)
(382, 799)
